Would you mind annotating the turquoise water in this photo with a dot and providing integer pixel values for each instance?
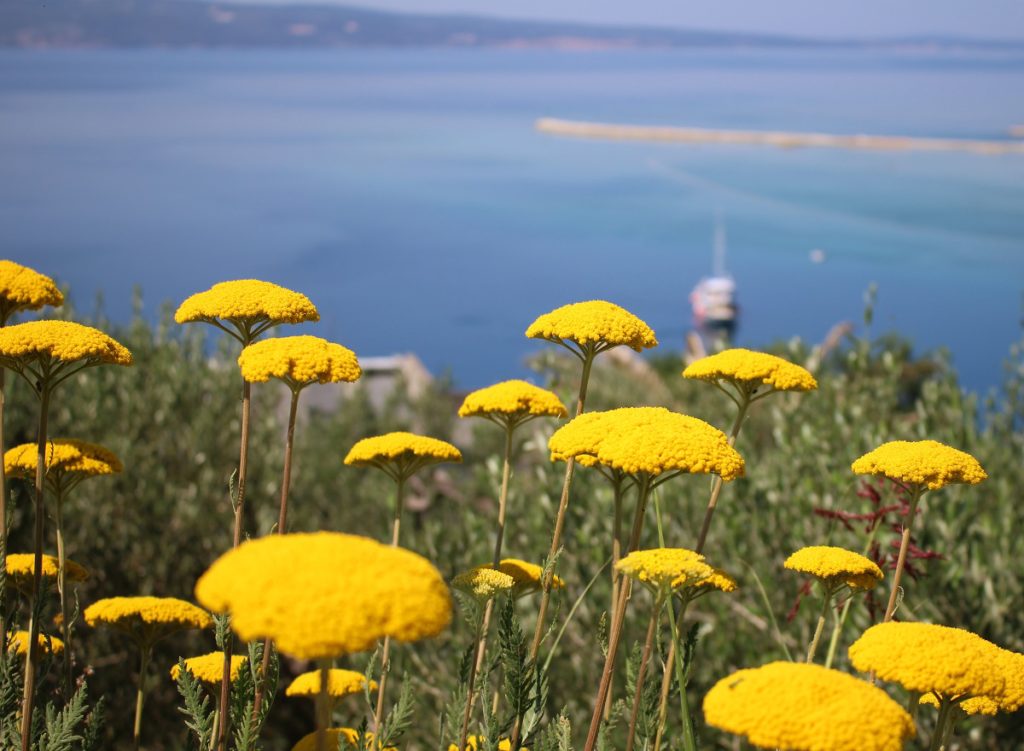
(409, 196)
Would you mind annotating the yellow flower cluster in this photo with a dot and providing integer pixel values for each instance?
(298, 361)
(326, 594)
(593, 323)
(804, 707)
(334, 737)
(665, 568)
(949, 662)
(64, 455)
(339, 683)
(22, 288)
(717, 580)
(649, 440)
(978, 705)
(399, 445)
(836, 566)
(20, 567)
(472, 742)
(146, 618)
(209, 668)
(527, 576)
(247, 300)
(514, 399)
(926, 463)
(18, 643)
(483, 582)
(752, 369)
(60, 340)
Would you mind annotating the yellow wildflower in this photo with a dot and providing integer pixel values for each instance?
(20, 567)
(926, 463)
(472, 742)
(527, 576)
(718, 579)
(18, 643)
(146, 619)
(748, 370)
(978, 705)
(22, 288)
(512, 402)
(647, 440)
(922, 657)
(405, 452)
(598, 324)
(326, 594)
(805, 707)
(665, 569)
(249, 302)
(45, 341)
(334, 738)
(209, 668)
(483, 582)
(298, 361)
(339, 683)
(835, 566)
(63, 455)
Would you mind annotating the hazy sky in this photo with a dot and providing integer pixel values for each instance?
(836, 18)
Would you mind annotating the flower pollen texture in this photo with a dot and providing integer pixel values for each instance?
(298, 361)
(593, 323)
(60, 340)
(742, 366)
(21, 565)
(209, 668)
(401, 445)
(514, 399)
(927, 463)
(483, 582)
(665, 568)
(247, 300)
(22, 288)
(62, 455)
(802, 707)
(326, 594)
(836, 565)
(339, 683)
(147, 618)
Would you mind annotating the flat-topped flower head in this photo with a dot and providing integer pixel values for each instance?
(512, 403)
(337, 738)
(245, 308)
(835, 567)
(42, 347)
(401, 454)
(20, 570)
(146, 619)
(17, 642)
(665, 570)
(805, 707)
(326, 594)
(593, 326)
(340, 683)
(647, 440)
(22, 288)
(209, 668)
(527, 576)
(978, 705)
(926, 464)
(473, 743)
(718, 580)
(750, 371)
(68, 461)
(298, 361)
(923, 657)
(483, 582)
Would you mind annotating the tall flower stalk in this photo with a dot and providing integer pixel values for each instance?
(244, 310)
(399, 455)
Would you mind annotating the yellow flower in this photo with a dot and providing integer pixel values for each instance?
(665, 569)
(922, 657)
(527, 576)
(483, 582)
(326, 594)
(595, 324)
(63, 456)
(339, 683)
(249, 305)
(835, 566)
(647, 440)
(298, 361)
(334, 738)
(804, 707)
(748, 370)
(978, 705)
(925, 463)
(21, 288)
(209, 668)
(38, 343)
(718, 579)
(512, 402)
(20, 568)
(146, 619)
(401, 454)
(18, 643)
(504, 744)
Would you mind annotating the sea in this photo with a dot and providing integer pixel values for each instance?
(408, 194)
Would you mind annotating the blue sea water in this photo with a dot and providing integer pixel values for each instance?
(408, 194)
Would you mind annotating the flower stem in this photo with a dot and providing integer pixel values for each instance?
(820, 628)
(841, 620)
(32, 653)
(140, 695)
(940, 725)
(716, 483)
(479, 637)
(915, 496)
(65, 624)
(641, 673)
(323, 707)
(378, 713)
(616, 554)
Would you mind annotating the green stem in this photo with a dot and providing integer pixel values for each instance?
(641, 674)
(65, 623)
(378, 712)
(940, 725)
(840, 623)
(915, 496)
(689, 735)
(820, 628)
(716, 482)
(323, 706)
(140, 695)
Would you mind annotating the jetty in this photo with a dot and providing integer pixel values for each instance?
(779, 139)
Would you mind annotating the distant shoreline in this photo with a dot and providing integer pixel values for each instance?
(779, 139)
